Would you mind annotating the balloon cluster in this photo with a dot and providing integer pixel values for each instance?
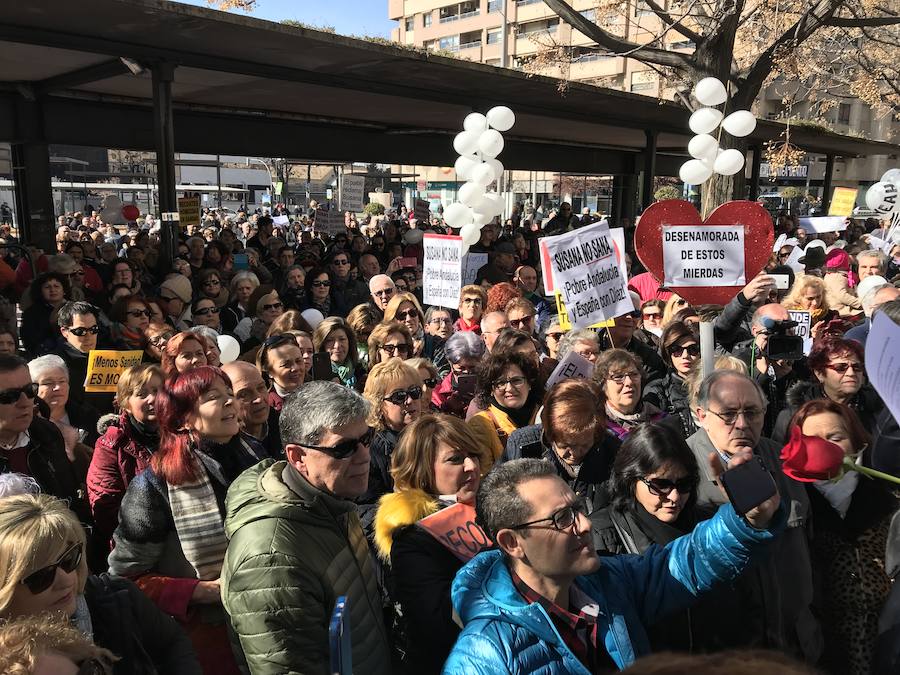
(709, 158)
(478, 145)
(116, 213)
(884, 197)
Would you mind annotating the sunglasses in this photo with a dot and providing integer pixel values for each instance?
(40, 581)
(274, 305)
(554, 336)
(662, 487)
(212, 282)
(650, 316)
(160, 340)
(341, 262)
(844, 367)
(344, 449)
(206, 310)
(8, 396)
(400, 396)
(141, 312)
(81, 331)
(692, 350)
(408, 314)
(432, 382)
(471, 301)
(521, 323)
(392, 349)
(320, 284)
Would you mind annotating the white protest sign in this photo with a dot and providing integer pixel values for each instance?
(883, 361)
(352, 189)
(330, 222)
(574, 365)
(585, 271)
(280, 220)
(442, 270)
(472, 262)
(819, 224)
(881, 245)
(803, 329)
(703, 255)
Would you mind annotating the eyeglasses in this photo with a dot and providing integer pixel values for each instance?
(844, 367)
(471, 301)
(554, 336)
(443, 322)
(521, 323)
(384, 291)
(632, 375)
(40, 581)
(8, 396)
(206, 310)
(392, 349)
(515, 382)
(341, 262)
(400, 396)
(652, 316)
(562, 520)
(662, 487)
(692, 350)
(432, 382)
(344, 449)
(730, 417)
(81, 331)
(408, 314)
(142, 312)
(212, 282)
(321, 284)
(274, 305)
(160, 340)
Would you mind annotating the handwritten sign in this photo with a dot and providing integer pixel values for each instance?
(472, 262)
(586, 273)
(442, 270)
(330, 222)
(281, 220)
(352, 189)
(456, 529)
(105, 367)
(703, 255)
(189, 211)
(803, 329)
(883, 360)
(574, 365)
(563, 315)
(843, 200)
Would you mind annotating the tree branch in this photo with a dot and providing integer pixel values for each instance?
(863, 22)
(674, 24)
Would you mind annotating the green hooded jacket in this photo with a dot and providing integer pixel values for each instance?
(292, 551)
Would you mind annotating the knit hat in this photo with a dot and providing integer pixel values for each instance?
(179, 285)
(837, 259)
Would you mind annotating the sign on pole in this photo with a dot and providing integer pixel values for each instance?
(442, 270)
(189, 211)
(586, 273)
(842, 202)
(472, 262)
(703, 255)
(330, 222)
(352, 190)
(820, 224)
(105, 366)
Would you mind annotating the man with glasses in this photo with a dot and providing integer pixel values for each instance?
(381, 290)
(351, 292)
(546, 602)
(80, 331)
(730, 409)
(255, 412)
(526, 280)
(296, 543)
(439, 322)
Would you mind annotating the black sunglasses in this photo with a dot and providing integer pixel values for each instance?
(206, 310)
(344, 449)
(139, 312)
(320, 284)
(692, 350)
(274, 305)
(39, 581)
(408, 314)
(399, 397)
(432, 382)
(81, 331)
(8, 396)
(393, 349)
(661, 487)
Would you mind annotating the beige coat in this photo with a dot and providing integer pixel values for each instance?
(839, 296)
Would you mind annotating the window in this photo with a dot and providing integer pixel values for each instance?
(643, 80)
(844, 113)
(409, 23)
(521, 3)
(450, 43)
(542, 26)
(494, 36)
(470, 40)
(461, 10)
(590, 15)
(495, 5)
(426, 19)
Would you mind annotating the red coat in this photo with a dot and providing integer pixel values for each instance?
(117, 460)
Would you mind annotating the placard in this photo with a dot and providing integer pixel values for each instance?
(422, 210)
(586, 273)
(883, 361)
(280, 220)
(618, 237)
(563, 313)
(442, 269)
(330, 222)
(352, 190)
(574, 365)
(189, 211)
(820, 224)
(703, 255)
(105, 366)
(803, 329)
(843, 200)
(456, 529)
(472, 262)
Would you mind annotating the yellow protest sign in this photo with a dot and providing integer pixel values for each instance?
(105, 366)
(564, 322)
(188, 211)
(842, 201)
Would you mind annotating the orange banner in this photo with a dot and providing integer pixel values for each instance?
(456, 529)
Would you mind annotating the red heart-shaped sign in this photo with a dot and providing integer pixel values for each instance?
(759, 236)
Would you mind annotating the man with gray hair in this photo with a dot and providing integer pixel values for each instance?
(296, 544)
(491, 325)
(381, 290)
(546, 602)
(870, 263)
(730, 409)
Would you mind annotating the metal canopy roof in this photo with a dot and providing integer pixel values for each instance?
(247, 86)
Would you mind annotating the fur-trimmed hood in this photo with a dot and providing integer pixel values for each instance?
(398, 509)
(804, 391)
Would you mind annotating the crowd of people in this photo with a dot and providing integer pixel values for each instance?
(302, 421)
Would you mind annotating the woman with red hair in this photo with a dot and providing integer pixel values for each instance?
(171, 537)
(184, 351)
(852, 516)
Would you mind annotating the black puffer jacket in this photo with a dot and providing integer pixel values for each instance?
(380, 481)
(670, 396)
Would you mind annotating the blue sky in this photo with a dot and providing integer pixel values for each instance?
(349, 17)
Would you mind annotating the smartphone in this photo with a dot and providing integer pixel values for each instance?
(465, 384)
(782, 281)
(748, 485)
(408, 262)
(241, 261)
(322, 367)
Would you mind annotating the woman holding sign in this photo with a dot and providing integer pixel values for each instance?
(436, 469)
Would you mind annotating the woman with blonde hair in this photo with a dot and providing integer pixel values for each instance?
(674, 304)
(126, 447)
(808, 294)
(44, 570)
(405, 308)
(335, 337)
(437, 464)
(389, 340)
(430, 378)
(48, 644)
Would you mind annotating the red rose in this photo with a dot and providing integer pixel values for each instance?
(810, 458)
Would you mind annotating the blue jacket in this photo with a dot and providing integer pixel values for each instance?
(505, 634)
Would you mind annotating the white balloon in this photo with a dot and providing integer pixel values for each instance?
(883, 198)
(483, 174)
(490, 203)
(501, 118)
(694, 172)
(470, 234)
(891, 176)
(740, 123)
(490, 143)
(313, 317)
(497, 168)
(464, 166)
(703, 146)
(457, 215)
(465, 248)
(466, 142)
(710, 91)
(481, 218)
(229, 348)
(470, 193)
(475, 122)
(729, 162)
(704, 120)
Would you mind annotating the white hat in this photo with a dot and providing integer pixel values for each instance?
(866, 285)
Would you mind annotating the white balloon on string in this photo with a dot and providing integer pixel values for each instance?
(496, 167)
(501, 118)
(490, 143)
(710, 91)
(729, 162)
(475, 122)
(470, 233)
(464, 165)
(470, 193)
(483, 174)
(466, 142)
(704, 120)
(883, 198)
(703, 146)
(891, 176)
(457, 215)
(694, 172)
(740, 123)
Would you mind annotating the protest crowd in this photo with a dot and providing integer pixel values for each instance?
(490, 488)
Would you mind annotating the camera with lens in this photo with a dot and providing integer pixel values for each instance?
(782, 345)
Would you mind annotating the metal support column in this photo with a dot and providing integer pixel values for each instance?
(164, 133)
(754, 172)
(32, 179)
(826, 185)
(649, 169)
